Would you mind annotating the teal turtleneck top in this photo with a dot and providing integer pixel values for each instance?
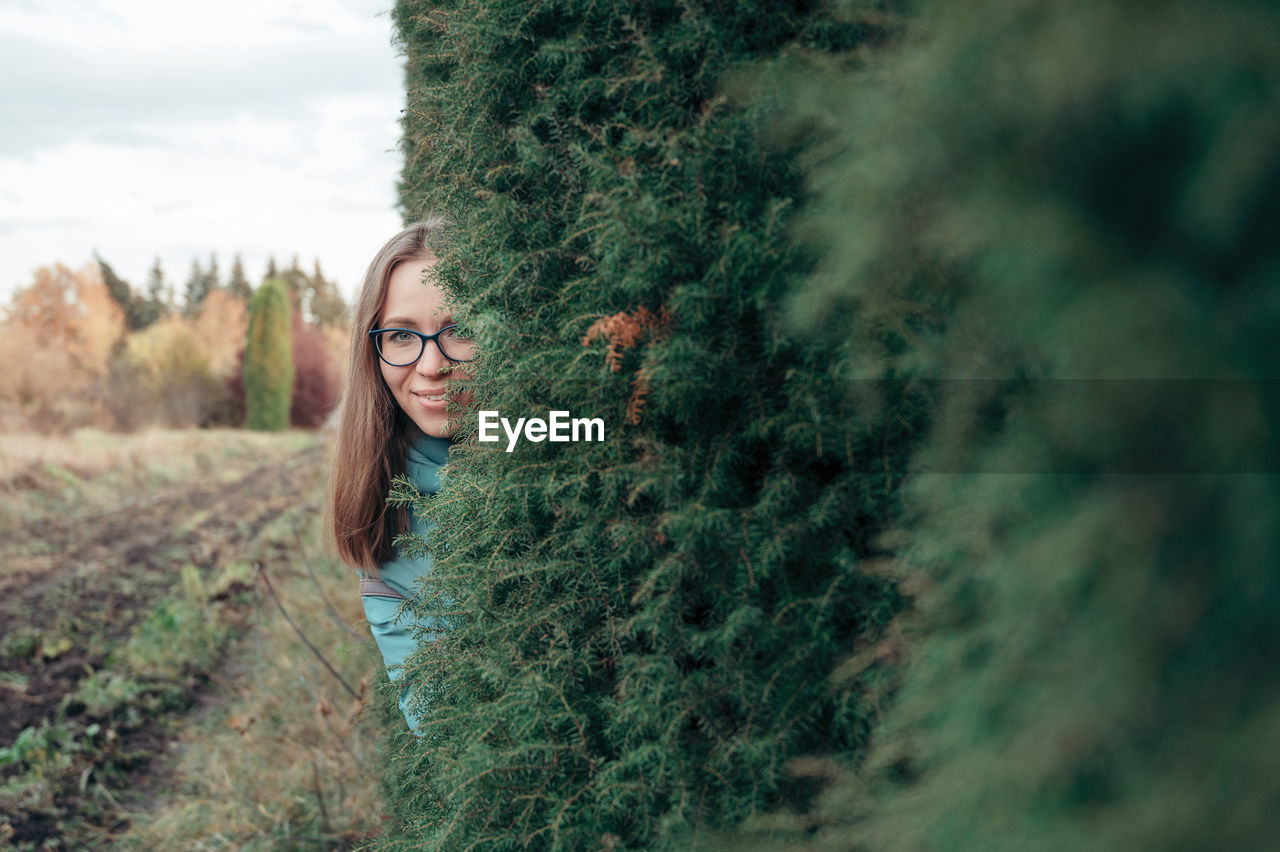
(393, 626)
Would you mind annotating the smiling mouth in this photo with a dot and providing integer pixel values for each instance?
(434, 402)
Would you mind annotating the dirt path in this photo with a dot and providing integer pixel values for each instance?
(76, 586)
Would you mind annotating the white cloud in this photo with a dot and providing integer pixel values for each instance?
(144, 129)
(164, 24)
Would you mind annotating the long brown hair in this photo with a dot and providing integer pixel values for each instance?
(373, 433)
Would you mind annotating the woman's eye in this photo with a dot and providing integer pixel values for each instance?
(401, 337)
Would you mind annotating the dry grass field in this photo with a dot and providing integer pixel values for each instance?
(152, 692)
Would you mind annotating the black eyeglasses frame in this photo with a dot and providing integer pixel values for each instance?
(425, 338)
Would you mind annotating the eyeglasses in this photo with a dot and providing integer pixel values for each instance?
(400, 347)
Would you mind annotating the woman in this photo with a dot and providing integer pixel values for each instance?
(394, 420)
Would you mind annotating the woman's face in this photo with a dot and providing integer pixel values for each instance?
(414, 301)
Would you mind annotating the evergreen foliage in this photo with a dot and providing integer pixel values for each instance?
(156, 303)
(298, 285)
(324, 301)
(212, 277)
(196, 291)
(268, 373)
(137, 313)
(238, 284)
(637, 633)
(119, 290)
(1062, 191)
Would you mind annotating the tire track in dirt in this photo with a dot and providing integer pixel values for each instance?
(96, 575)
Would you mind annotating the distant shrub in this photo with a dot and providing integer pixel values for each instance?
(235, 392)
(268, 359)
(162, 375)
(129, 397)
(317, 381)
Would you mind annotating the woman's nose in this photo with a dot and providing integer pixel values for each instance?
(432, 361)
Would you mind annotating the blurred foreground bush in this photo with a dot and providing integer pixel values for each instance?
(1033, 194)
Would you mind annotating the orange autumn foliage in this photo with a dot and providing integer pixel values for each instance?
(220, 330)
(624, 331)
(64, 325)
(70, 313)
(639, 390)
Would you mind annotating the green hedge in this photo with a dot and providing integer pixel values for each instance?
(638, 632)
(268, 358)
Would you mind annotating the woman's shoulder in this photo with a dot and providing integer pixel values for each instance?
(426, 455)
(402, 572)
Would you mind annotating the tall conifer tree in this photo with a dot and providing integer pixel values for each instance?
(238, 284)
(133, 306)
(297, 285)
(196, 290)
(637, 632)
(156, 303)
(325, 302)
(212, 275)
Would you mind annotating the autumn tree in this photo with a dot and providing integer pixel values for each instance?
(220, 330)
(69, 312)
(64, 324)
(317, 376)
(98, 322)
(164, 375)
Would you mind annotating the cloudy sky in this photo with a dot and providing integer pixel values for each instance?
(153, 128)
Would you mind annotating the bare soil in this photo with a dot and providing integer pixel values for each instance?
(91, 577)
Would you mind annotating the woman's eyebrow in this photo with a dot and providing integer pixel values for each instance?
(408, 322)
